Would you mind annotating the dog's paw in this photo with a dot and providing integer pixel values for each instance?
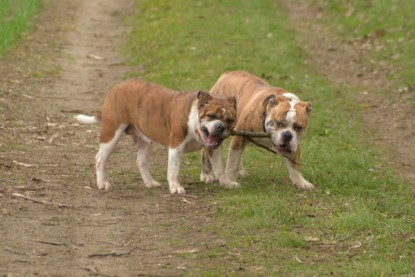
(105, 185)
(177, 189)
(207, 178)
(304, 184)
(242, 173)
(230, 184)
(152, 184)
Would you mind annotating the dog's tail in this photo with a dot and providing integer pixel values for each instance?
(85, 119)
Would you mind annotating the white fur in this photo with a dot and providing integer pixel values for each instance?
(208, 178)
(87, 119)
(105, 150)
(192, 142)
(233, 163)
(144, 150)
(211, 125)
(218, 168)
(297, 178)
(291, 97)
(175, 155)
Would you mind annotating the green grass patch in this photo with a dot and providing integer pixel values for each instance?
(359, 222)
(15, 18)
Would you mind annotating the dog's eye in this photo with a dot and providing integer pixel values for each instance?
(212, 116)
(298, 128)
(279, 124)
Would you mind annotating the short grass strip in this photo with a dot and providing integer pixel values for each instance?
(15, 18)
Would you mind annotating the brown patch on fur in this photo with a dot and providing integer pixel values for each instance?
(223, 109)
(303, 110)
(138, 103)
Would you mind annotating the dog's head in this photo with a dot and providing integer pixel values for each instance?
(286, 121)
(217, 118)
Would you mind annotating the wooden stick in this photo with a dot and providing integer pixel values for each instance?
(41, 201)
(114, 254)
(49, 242)
(249, 134)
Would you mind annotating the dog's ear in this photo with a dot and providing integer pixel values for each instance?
(270, 101)
(308, 107)
(203, 98)
(232, 100)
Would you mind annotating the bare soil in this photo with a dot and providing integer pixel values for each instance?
(53, 219)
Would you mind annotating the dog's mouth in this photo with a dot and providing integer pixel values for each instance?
(282, 148)
(213, 142)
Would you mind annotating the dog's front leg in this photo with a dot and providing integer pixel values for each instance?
(173, 169)
(215, 157)
(233, 164)
(293, 164)
(207, 175)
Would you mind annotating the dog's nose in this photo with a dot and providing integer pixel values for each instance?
(287, 136)
(220, 127)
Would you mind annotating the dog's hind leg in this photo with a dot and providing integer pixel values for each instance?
(207, 175)
(144, 150)
(105, 150)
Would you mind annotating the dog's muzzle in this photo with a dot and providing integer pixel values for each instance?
(214, 133)
(283, 142)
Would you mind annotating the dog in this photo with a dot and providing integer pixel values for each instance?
(182, 122)
(261, 108)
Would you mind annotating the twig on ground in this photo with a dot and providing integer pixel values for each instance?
(34, 165)
(181, 195)
(14, 251)
(187, 201)
(71, 111)
(49, 242)
(117, 244)
(113, 254)
(60, 205)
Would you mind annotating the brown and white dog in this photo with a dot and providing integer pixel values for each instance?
(183, 122)
(262, 107)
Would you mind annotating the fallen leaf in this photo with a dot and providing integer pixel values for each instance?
(95, 57)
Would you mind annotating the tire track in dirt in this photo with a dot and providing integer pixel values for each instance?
(66, 66)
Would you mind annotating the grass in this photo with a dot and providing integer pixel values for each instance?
(15, 18)
(361, 219)
(390, 22)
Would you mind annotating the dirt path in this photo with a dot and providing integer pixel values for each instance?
(390, 119)
(66, 66)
